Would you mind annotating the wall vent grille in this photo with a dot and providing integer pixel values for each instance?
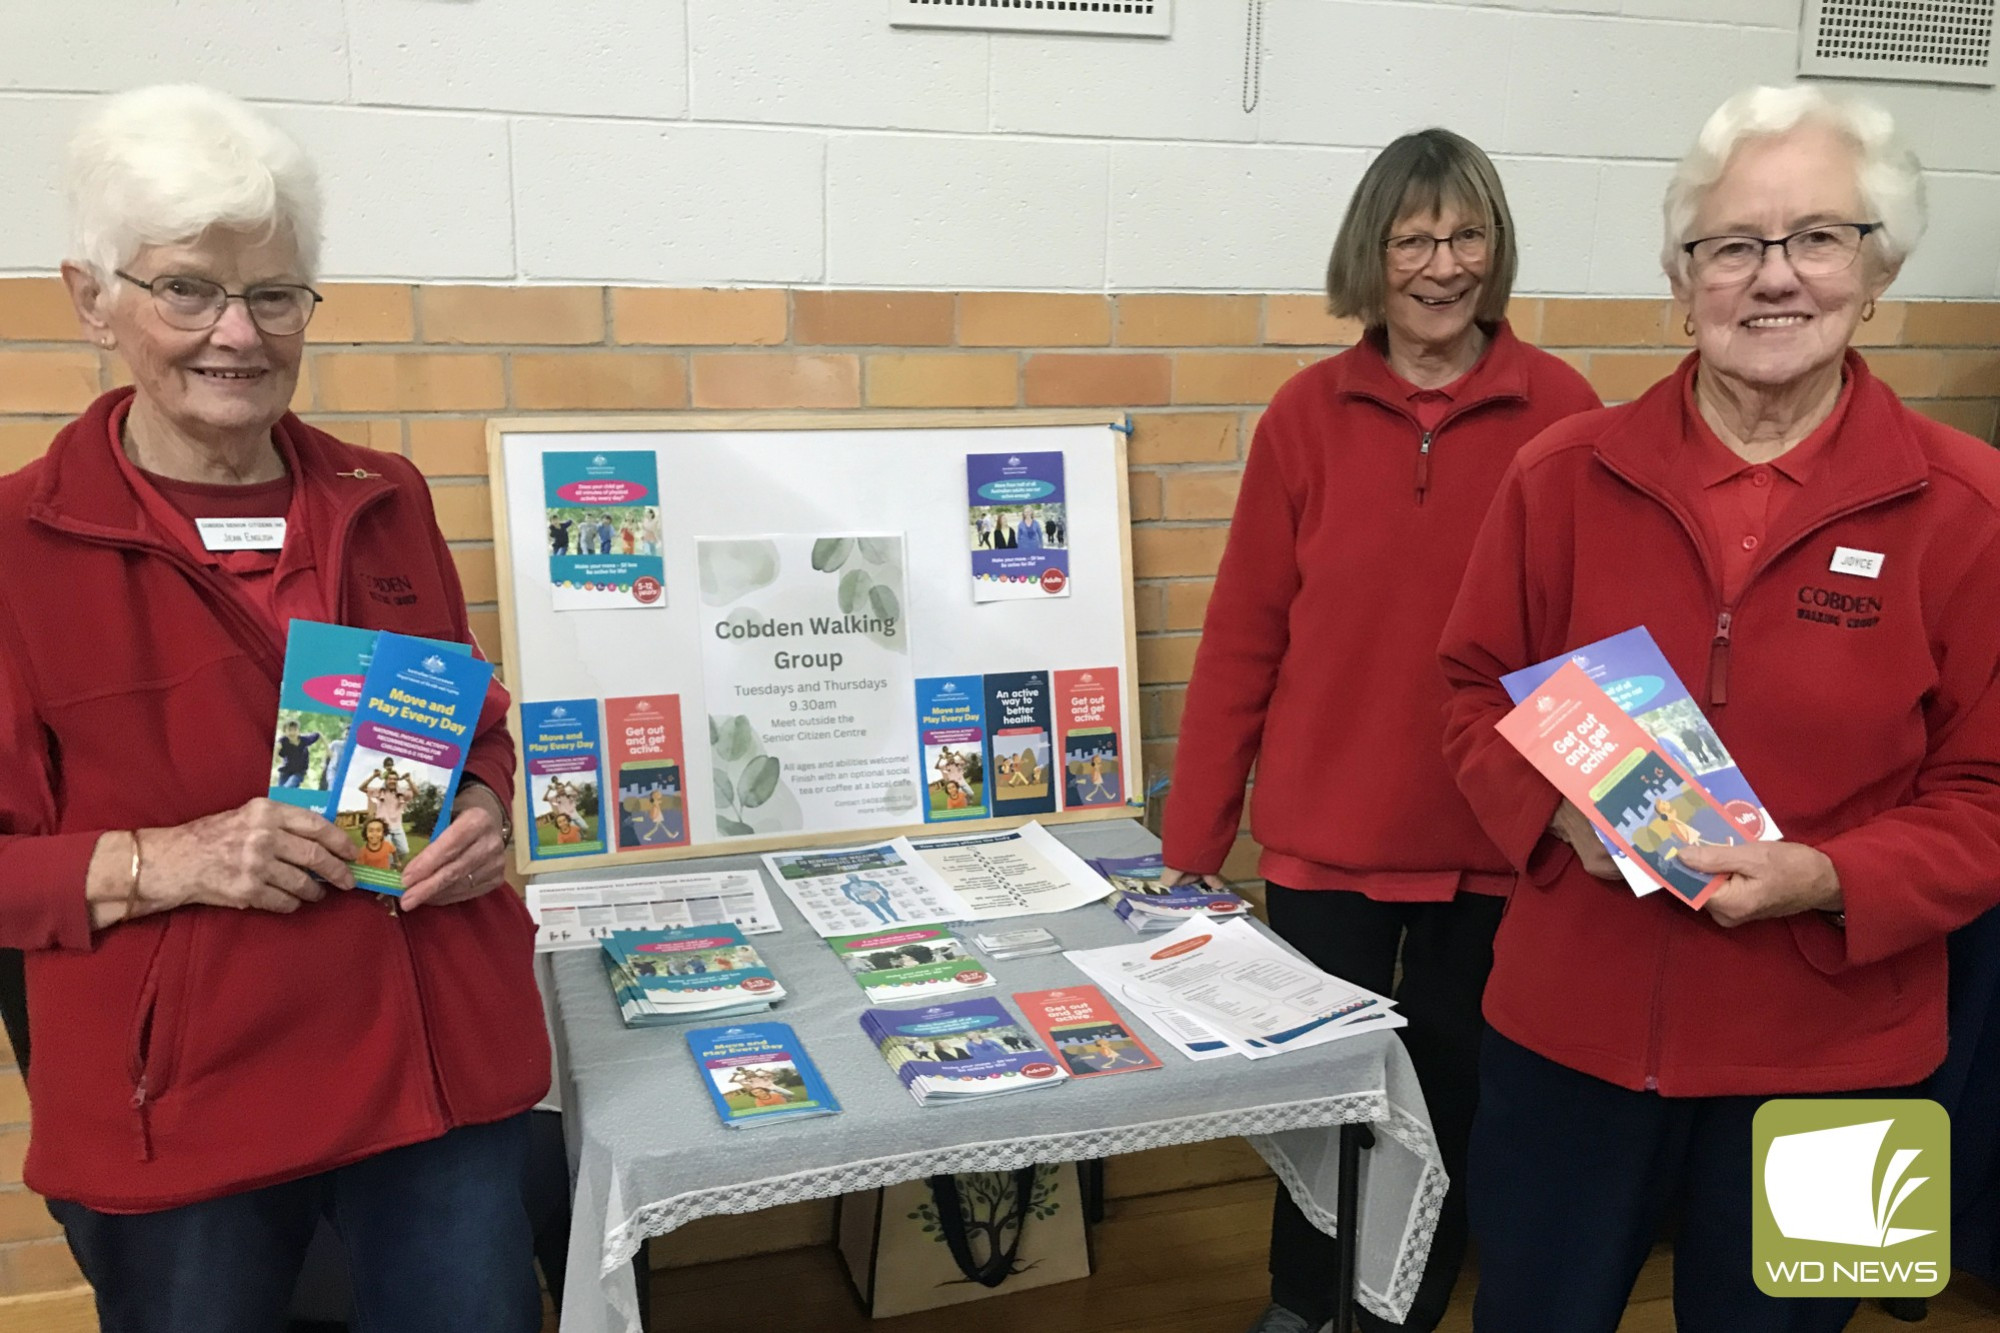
(1117, 18)
(1924, 41)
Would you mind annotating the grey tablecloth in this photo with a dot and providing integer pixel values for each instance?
(649, 1153)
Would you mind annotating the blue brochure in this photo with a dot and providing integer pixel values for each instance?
(951, 1052)
(951, 724)
(759, 1073)
(559, 742)
(413, 724)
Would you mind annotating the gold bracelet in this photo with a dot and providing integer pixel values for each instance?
(132, 888)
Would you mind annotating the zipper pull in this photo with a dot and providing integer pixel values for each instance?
(1718, 661)
(1424, 465)
(139, 1095)
(359, 474)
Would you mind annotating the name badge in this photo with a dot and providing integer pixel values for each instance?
(241, 534)
(1864, 564)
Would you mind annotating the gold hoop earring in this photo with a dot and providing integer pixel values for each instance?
(1687, 326)
(1867, 312)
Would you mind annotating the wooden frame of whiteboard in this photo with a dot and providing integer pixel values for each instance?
(510, 643)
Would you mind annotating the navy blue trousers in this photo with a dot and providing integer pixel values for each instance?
(437, 1237)
(1570, 1181)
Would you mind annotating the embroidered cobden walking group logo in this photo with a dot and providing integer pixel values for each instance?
(1853, 1198)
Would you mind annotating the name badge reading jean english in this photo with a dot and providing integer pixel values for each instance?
(241, 534)
(1847, 560)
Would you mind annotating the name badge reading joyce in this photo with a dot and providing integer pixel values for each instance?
(1865, 564)
(241, 534)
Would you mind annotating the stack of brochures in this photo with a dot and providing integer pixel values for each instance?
(1216, 988)
(910, 963)
(663, 976)
(956, 1052)
(759, 1074)
(1148, 907)
(1020, 942)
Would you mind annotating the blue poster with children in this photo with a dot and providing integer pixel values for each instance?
(951, 726)
(603, 511)
(559, 744)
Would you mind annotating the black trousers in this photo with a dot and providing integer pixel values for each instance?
(1446, 951)
(1571, 1180)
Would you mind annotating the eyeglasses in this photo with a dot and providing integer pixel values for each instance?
(193, 304)
(1815, 252)
(1470, 244)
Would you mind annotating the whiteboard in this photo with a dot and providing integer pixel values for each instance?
(729, 476)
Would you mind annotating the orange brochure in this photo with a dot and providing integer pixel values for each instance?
(1636, 794)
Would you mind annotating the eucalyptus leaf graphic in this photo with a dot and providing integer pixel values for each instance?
(736, 740)
(830, 553)
(725, 794)
(882, 601)
(732, 828)
(714, 735)
(854, 587)
(877, 550)
(730, 569)
(760, 779)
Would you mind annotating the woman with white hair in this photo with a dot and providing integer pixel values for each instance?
(229, 1040)
(1818, 563)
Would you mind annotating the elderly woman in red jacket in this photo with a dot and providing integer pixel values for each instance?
(1819, 564)
(230, 1040)
(1363, 490)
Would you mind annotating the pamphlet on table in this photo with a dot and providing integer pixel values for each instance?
(1016, 872)
(1081, 1027)
(842, 890)
(759, 1074)
(1635, 676)
(577, 916)
(910, 963)
(961, 1050)
(1148, 907)
(660, 976)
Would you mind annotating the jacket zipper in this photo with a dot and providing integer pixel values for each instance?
(423, 1015)
(1424, 462)
(1427, 436)
(1718, 658)
(1654, 1037)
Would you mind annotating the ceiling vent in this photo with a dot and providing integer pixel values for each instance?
(1921, 41)
(1114, 18)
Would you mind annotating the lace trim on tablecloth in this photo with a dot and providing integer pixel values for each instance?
(665, 1215)
(1408, 1271)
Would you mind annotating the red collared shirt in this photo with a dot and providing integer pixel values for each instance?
(1430, 405)
(1740, 500)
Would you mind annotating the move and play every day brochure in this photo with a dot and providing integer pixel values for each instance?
(559, 745)
(759, 1073)
(413, 724)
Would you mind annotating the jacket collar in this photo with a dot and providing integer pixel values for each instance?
(1873, 454)
(1500, 373)
(83, 492)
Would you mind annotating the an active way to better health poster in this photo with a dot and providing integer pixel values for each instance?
(807, 680)
(604, 535)
(1017, 525)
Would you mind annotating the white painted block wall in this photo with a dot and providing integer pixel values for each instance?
(805, 142)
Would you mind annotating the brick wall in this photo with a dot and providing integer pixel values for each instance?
(417, 371)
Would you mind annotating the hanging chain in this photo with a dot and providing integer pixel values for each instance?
(1253, 57)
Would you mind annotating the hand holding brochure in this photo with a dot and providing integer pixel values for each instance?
(758, 1074)
(1639, 797)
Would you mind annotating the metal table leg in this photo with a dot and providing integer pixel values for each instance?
(642, 1272)
(1347, 1217)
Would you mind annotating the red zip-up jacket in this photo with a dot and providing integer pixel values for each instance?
(203, 1051)
(1863, 710)
(1318, 655)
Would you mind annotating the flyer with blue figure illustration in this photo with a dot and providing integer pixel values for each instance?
(324, 668)
(951, 726)
(1017, 525)
(413, 725)
(559, 742)
(603, 511)
(1632, 671)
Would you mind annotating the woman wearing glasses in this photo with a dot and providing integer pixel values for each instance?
(1818, 563)
(1363, 490)
(229, 1039)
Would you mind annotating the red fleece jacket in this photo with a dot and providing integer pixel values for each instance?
(203, 1051)
(1864, 711)
(1318, 657)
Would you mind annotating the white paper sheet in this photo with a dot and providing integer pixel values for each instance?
(843, 890)
(1016, 872)
(577, 916)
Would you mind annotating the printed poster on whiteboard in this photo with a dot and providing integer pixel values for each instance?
(604, 536)
(807, 679)
(1017, 521)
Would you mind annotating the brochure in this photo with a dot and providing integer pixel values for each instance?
(759, 1074)
(846, 889)
(1143, 904)
(413, 723)
(1627, 784)
(951, 726)
(565, 784)
(662, 975)
(961, 1050)
(1633, 672)
(1019, 776)
(1020, 872)
(912, 963)
(603, 511)
(1185, 1033)
(1017, 524)
(324, 666)
(1082, 1028)
(1087, 727)
(643, 736)
(578, 916)
(1020, 942)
